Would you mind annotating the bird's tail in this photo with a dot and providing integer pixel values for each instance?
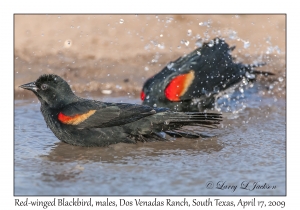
(251, 72)
(207, 120)
(174, 122)
(210, 120)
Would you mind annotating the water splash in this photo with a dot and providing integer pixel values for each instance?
(199, 43)
(186, 42)
(211, 43)
(170, 65)
(246, 44)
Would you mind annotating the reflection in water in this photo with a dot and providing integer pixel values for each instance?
(122, 152)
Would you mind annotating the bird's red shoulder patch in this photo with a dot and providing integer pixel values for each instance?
(143, 96)
(76, 119)
(179, 85)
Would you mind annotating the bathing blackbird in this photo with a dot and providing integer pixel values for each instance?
(85, 122)
(192, 82)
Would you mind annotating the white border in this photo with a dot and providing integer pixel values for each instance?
(153, 6)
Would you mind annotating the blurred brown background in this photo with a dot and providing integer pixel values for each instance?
(119, 52)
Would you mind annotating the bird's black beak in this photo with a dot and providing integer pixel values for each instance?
(29, 86)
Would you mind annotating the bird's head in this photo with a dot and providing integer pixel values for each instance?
(51, 90)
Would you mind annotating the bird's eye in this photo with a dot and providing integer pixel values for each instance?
(44, 86)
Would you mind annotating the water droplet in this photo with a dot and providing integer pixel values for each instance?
(169, 20)
(280, 79)
(246, 44)
(170, 65)
(154, 105)
(147, 47)
(189, 32)
(179, 47)
(108, 75)
(68, 43)
(161, 35)
(17, 58)
(245, 82)
(201, 24)
(58, 16)
(186, 42)
(211, 43)
(121, 21)
(277, 49)
(199, 43)
(217, 41)
(161, 46)
(216, 89)
(72, 26)
(233, 35)
(146, 68)
(241, 89)
(208, 94)
(250, 76)
(167, 122)
(198, 53)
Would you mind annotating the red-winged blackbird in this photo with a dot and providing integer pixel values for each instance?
(85, 122)
(192, 82)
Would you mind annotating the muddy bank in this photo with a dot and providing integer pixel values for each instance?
(117, 53)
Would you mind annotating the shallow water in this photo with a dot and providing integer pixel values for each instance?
(249, 147)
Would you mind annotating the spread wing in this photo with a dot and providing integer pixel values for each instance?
(207, 71)
(203, 71)
(95, 114)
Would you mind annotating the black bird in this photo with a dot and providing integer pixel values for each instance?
(192, 82)
(85, 122)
